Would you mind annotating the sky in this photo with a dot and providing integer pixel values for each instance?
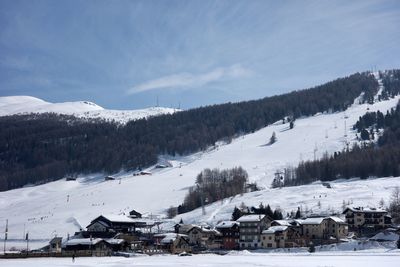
(129, 54)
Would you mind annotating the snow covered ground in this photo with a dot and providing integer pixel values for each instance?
(10, 105)
(44, 210)
(337, 259)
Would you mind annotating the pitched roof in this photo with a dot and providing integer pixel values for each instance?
(82, 241)
(365, 210)
(284, 222)
(251, 218)
(274, 229)
(117, 218)
(317, 220)
(226, 224)
(337, 219)
(114, 241)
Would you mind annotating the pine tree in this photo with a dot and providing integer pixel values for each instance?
(272, 139)
(298, 213)
(364, 134)
(236, 214)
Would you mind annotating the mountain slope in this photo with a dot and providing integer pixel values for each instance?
(44, 209)
(56, 146)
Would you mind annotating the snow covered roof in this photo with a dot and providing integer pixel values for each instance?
(274, 229)
(283, 222)
(365, 210)
(118, 218)
(317, 220)
(204, 230)
(251, 218)
(226, 224)
(82, 241)
(337, 219)
(114, 241)
(168, 238)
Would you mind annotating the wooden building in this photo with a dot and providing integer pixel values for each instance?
(230, 234)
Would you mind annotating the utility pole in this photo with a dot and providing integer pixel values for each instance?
(27, 242)
(5, 237)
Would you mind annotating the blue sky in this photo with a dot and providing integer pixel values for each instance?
(126, 54)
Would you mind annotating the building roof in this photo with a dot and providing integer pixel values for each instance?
(82, 241)
(284, 222)
(274, 229)
(337, 219)
(204, 230)
(226, 224)
(117, 218)
(251, 218)
(169, 238)
(365, 210)
(317, 220)
(114, 241)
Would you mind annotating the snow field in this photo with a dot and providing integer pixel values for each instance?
(240, 259)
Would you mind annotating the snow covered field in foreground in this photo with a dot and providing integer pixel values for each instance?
(45, 212)
(353, 259)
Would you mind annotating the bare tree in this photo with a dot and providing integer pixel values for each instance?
(394, 206)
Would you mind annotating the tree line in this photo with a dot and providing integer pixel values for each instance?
(369, 159)
(213, 185)
(41, 148)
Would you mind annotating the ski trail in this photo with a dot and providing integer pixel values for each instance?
(215, 212)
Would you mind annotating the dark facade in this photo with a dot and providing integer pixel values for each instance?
(230, 234)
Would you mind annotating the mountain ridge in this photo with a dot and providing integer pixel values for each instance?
(23, 105)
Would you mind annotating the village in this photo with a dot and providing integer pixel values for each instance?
(130, 234)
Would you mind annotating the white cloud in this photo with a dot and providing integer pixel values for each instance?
(184, 80)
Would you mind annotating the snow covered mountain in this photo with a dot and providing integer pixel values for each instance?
(64, 206)
(10, 105)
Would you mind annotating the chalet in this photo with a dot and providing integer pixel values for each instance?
(250, 228)
(367, 219)
(112, 223)
(230, 234)
(172, 242)
(135, 214)
(281, 237)
(55, 244)
(204, 238)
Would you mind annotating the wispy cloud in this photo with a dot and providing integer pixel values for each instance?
(185, 80)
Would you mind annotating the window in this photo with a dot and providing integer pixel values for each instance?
(269, 245)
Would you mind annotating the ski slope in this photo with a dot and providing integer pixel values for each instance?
(44, 210)
(10, 105)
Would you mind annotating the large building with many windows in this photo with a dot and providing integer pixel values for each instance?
(251, 227)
